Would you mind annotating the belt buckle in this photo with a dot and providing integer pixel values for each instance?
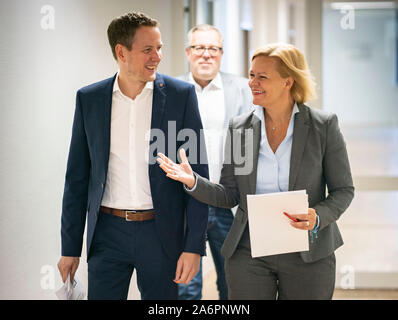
(130, 211)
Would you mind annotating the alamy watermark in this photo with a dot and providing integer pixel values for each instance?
(347, 279)
(47, 21)
(347, 21)
(47, 281)
(239, 146)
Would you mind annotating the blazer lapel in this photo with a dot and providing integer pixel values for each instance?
(104, 116)
(158, 104)
(255, 125)
(300, 133)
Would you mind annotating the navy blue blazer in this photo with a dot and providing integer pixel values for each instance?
(180, 220)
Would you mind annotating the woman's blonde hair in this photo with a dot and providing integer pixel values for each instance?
(292, 63)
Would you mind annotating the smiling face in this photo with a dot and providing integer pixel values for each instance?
(267, 85)
(141, 62)
(204, 67)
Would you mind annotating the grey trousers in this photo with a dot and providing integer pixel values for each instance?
(282, 276)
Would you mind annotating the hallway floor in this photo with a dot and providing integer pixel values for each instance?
(210, 292)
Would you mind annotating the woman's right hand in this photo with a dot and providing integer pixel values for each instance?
(180, 172)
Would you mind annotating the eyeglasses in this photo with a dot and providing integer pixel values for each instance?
(200, 50)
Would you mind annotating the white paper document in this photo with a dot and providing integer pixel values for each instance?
(71, 290)
(270, 230)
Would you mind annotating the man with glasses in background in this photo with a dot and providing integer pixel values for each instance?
(221, 96)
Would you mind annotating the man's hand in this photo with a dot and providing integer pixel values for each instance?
(68, 265)
(187, 267)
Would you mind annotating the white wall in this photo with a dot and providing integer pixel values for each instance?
(41, 71)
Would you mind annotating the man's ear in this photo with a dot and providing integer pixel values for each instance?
(120, 52)
(188, 54)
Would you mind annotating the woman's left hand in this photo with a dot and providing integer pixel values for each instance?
(307, 221)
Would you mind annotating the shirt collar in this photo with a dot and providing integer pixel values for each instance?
(215, 83)
(148, 85)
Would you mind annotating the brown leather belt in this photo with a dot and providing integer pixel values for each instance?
(130, 215)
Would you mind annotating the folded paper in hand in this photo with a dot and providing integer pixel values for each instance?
(71, 290)
(270, 230)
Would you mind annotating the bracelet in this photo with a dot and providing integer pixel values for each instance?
(315, 230)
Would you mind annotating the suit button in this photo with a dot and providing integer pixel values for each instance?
(102, 185)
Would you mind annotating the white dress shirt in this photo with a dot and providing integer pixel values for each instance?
(273, 168)
(212, 113)
(127, 182)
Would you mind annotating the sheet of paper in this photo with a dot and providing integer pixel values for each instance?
(270, 230)
(71, 290)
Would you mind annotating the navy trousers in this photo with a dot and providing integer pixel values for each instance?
(219, 223)
(119, 247)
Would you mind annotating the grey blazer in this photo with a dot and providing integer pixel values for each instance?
(318, 160)
(237, 95)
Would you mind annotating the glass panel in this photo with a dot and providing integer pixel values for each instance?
(360, 86)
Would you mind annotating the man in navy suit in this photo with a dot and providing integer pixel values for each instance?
(137, 218)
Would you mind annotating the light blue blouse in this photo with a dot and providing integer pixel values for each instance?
(273, 168)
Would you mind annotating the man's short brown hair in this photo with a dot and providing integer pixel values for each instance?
(122, 29)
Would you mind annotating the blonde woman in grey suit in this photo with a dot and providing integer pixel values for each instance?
(294, 147)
